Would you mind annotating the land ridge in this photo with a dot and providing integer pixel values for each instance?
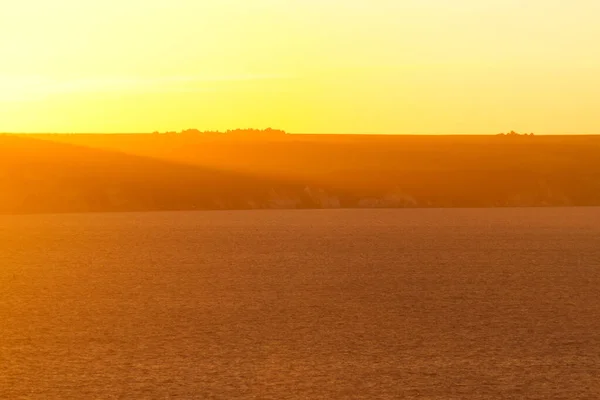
(179, 171)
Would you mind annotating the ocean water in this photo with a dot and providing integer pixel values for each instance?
(324, 304)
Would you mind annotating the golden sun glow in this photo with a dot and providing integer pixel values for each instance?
(389, 66)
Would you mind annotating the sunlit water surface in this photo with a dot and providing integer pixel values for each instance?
(346, 304)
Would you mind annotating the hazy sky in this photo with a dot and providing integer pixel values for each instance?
(388, 66)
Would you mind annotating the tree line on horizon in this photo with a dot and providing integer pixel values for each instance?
(248, 132)
(513, 133)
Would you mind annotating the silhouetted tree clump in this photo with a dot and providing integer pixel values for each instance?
(247, 133)
(513, 133)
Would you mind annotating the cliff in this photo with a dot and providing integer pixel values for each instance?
(151, 172)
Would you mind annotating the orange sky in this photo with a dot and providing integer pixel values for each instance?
(384, 66)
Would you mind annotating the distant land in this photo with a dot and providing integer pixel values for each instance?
(264, 169)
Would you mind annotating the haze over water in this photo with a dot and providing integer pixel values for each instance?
(415, 304)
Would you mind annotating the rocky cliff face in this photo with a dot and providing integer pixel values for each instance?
(45, 198)
(319, 198)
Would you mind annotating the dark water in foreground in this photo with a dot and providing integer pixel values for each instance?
(423, 304)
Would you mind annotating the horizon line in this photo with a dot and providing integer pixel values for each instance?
(301, 133)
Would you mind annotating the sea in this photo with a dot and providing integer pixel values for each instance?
(302, 304)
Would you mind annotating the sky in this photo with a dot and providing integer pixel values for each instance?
(306, 66)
